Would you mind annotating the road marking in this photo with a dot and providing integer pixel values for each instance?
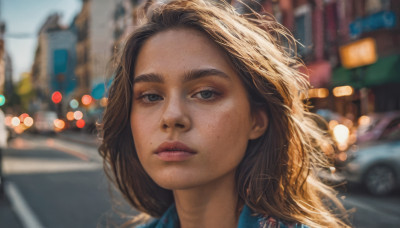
(16, 166)
(21, 207)
(90, 152)
(70, 152)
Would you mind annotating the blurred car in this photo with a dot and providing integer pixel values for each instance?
(376, 164)
(44, 122)
(379, 125)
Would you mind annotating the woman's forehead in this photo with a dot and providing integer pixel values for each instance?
(180, 49)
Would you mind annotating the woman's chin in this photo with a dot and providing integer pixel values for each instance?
(178, 182)
(176, 185)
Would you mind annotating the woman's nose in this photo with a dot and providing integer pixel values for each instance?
(175, 116)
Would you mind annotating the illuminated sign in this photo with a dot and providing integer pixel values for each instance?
(385, 19)
(359, 53)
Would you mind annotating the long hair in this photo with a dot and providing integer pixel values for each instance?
(276, 176)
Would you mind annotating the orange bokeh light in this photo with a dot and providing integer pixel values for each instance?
(87, 99)
(104, 101)
(60, 124)
(70, 116)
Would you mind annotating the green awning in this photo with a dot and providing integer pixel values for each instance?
(386, 70)
(342, 76)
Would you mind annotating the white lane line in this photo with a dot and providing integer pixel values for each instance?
(17, 166)
(21, 207)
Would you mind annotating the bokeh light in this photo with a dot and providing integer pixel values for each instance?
(56, 97)
(74, 104)
(364, 120)
(78, 115)
(332, 124)
(7, 120)
(28, 121)
(104, 102)
(87, 99)
(318, 93)
(58, 123)
(23, 116)
(342, 91)
(19, 129)
(80, 123)
(15, 121)
(70, 116)
(341, 133)
(2, 100)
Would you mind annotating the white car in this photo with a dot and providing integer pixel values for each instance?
(376, 165)
(44, 121)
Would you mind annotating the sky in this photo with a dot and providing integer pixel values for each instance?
(23, 20)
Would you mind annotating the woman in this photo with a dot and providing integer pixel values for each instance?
(205, 126)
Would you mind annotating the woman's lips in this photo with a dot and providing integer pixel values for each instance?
(174, 151)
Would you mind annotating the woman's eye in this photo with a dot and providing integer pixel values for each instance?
(206, 94)
(148, 98)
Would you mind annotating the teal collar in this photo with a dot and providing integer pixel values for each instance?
(170, 219)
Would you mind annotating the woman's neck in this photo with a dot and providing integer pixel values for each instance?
(211, 205)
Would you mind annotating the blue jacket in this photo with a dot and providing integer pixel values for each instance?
(246, 220)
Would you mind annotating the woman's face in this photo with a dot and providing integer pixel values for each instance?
(190, 116)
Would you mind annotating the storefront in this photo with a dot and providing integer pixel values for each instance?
(381, 81)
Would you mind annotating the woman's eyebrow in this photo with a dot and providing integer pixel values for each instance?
(189, 76)
(200, 73)
(150, 77)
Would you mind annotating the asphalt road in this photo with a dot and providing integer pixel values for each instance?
(63, 185)
(371, 211)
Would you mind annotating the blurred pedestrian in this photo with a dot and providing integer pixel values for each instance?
(205, 126)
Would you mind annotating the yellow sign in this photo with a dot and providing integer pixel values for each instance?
(359, 53)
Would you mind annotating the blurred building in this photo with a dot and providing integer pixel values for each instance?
(325, 28)
(2, 62)
(8, 88)
(61, 46)
(123, 20)
(6, 82)
(338, 37)
(5, 65)
(54, 63)
(82, 69)
(370, 55)
(94, 26)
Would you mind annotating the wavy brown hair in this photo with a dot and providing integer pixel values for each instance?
(276, 176)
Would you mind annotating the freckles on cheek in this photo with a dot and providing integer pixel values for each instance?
(223, 128)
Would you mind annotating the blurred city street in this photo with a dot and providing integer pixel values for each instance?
(56, 68)
(61, 180)
(372, 211)
(56, 182)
